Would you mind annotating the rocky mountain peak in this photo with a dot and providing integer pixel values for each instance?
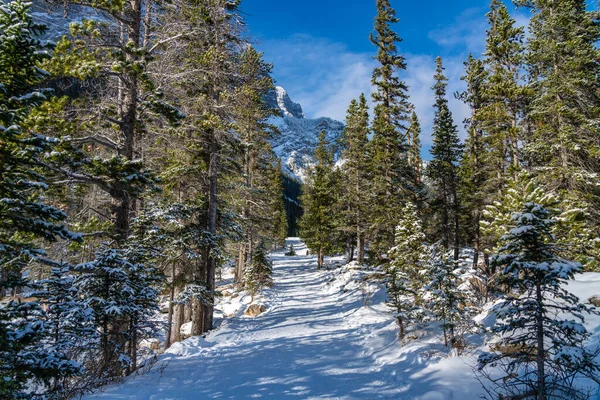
(279, 99)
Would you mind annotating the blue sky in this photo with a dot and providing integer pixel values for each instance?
(323, 58)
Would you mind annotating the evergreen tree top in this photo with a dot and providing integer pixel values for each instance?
(529, 247)
(504, 41)
(391, 93)
(384, 37)
(323, 154)
(441, 82)
(475, 78)
(446, 149)
(415, 124)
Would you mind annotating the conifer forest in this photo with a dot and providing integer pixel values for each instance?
(173, 226)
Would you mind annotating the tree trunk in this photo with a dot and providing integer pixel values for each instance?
(319, 258)
(541, 375)
(128, 116)
(171, 299)
(349, 250)
(456, 235)
(178, 317)
(197, 317)
(401, 330)
(133, 345)
(211, 263)
(240, 262)
(187, 313)
(514, 145)
(360, 247)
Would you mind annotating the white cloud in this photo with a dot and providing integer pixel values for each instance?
(466, 33)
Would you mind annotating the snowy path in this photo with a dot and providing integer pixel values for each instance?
(314, 341)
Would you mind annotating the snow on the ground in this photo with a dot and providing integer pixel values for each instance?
(325, 335)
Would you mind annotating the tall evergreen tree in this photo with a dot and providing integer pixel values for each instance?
(393, 178)
(202, 67)
(356, 173)
(250, 114)
(319, 199)
(505, 96)
(474, 170)
(443, 168)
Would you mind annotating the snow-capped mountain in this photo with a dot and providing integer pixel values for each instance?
(299, 136)
(279, 99)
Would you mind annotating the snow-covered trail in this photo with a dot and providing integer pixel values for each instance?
(314, 341)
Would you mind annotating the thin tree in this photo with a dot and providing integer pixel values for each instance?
(443, 168)
(393, 178)
(356, 176)
(317, 225)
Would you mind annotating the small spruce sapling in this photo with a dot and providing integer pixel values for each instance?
(291, 252)
(445, 300)
(259, 272)
(69, 331)
(403, 279)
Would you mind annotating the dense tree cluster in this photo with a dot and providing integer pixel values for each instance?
(521, 191)
(153, 146)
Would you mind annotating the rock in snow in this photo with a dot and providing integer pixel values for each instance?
(255, 310)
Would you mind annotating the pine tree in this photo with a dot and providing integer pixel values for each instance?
(562, 146)
(443, 168)
(259, 272)
(201, 65)
(122, 287)
(251, 114)
(541, 336)
(356, 174)
(403, 271)
(474, 170)
(445, 300)
(317, 225)
(563, 71)
(104, 154)
(578, 241)
(25, 219)
(69, 331)
(291, 251)
(393, 179)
